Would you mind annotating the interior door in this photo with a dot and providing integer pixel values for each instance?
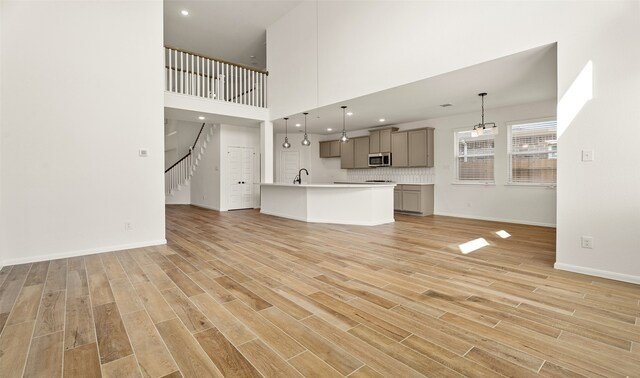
(247, 178)
(240, 177)
(234, 154)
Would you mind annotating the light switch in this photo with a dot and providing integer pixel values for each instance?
(143, 152)
(587, 155)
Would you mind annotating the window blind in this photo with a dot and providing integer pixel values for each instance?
(474, 157)
(533, 150)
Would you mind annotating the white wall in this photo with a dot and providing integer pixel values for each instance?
(370, 46)
(518, 204)
(179, 137)
(82, 92)
(326, 170)
(180, 196)
(2, 226)
(210, 183)
(205, 183)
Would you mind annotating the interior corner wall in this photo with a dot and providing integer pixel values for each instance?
(205, 182)
(82, 86)
(2, 226)
(499, 202)
(368, 46)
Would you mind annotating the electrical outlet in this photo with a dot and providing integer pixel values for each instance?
(128, 226)
(587, 242)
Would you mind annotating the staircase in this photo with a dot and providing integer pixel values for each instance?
(179, 174)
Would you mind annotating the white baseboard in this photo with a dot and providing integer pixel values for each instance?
(91, 251)
(205, 207)
(516, 221)
(598, 273)
(329, 221)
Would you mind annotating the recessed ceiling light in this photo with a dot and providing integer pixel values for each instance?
(298, 125)
(349, 113)
(329, 129)
(201, 118)
(446, 105)
(184, 12)
(381, 120)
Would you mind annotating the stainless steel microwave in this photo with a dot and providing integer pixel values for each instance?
(382, 159)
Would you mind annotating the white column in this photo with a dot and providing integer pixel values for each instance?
(266, 152)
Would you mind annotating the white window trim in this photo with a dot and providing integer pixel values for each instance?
(455, 180)
(549, 185)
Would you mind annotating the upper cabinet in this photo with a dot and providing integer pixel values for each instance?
(380, 140)
(361, 152)
(412, 148)
(399, 149)
(355, 153)
(409, 148)
(330, 149)
(346, 155)
(421, 148)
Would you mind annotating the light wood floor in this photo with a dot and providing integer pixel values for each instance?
(242, 294)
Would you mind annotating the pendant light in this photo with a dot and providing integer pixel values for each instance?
(343, 138)
(305, 141)
(286, 143)
(481, 127)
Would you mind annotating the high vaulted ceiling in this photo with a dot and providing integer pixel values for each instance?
(526, 77)
(234, 31)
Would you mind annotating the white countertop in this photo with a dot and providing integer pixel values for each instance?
(363, 185)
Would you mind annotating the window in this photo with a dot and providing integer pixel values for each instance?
(474, 157)
(533, 150)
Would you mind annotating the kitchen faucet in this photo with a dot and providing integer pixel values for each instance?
(298, 179)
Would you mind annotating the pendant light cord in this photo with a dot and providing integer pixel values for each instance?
(482, 111)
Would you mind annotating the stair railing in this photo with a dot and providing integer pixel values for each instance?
(180, 172)
(196, 75)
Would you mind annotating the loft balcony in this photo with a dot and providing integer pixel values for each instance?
(199, 83)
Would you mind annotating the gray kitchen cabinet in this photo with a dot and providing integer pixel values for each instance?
(335, 148)
(420, 149)
(374, 142)
(413, 199)
(399, 149)
(385, 139)
(361, 152)
(380, 140)
(397, 198)
(330, 149)
(347, 155)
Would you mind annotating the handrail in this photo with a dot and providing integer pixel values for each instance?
(219, 60)
(190, 150)
(198, 137)
(178, 162)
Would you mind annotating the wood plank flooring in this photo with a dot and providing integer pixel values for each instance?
(240, 294)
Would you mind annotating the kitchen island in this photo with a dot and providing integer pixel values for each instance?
(357, 204)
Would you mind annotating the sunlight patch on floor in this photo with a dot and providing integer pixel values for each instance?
(472, 245)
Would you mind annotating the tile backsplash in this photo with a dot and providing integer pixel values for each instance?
(399, 175)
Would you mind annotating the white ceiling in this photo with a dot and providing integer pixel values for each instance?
(191, 116)
(229, 30)
(525, 77)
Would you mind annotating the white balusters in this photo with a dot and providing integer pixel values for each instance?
(195, 75)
